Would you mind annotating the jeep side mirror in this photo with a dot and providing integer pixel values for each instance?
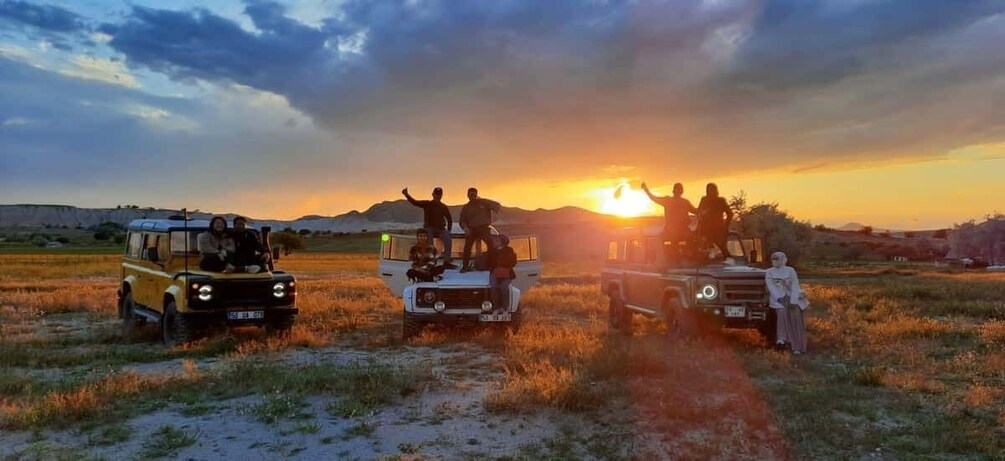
(152, 254)
(275, 253)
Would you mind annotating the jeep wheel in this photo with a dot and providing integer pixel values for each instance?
(769, 329)
(410, 327)
(127, 312)
(681, 323)
(174, 328)
(516, 322)
(281, 327)
(619, 318)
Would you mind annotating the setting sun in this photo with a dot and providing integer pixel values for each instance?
(626, 202)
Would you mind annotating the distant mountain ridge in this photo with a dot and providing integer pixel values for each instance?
(398, 214)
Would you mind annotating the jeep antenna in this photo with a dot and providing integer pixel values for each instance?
(184, 217)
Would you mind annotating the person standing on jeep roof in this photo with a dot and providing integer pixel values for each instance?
(677, 212)
(476, 216)
(250, 254)
(436, 220)
(711, 225)
(501, 272)
(216, 247)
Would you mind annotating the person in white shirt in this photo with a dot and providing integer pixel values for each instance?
(788, 300)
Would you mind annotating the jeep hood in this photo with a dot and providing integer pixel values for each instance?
(732, 272)
(453, 278)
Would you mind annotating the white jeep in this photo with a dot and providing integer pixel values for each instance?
(455, 297)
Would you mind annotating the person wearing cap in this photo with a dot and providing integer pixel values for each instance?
(788, 301)
(476, 217)
(676, 219)
(436, 220)
(250, 254)
(501, 272)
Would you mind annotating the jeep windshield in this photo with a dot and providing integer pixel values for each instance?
(395, 247)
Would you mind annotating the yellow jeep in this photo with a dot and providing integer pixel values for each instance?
(161, 282)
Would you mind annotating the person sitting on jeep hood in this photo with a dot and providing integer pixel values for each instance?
(423, 258)
(216, 247)
(250, 254)
(501, 273)
(476, 216)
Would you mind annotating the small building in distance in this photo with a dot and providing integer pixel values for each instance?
(54, 245)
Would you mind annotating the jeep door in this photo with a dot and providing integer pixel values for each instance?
(528, 262)
(132, 271)
(642, 282)
(394, 263)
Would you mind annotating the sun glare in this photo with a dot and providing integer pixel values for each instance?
(626, 202)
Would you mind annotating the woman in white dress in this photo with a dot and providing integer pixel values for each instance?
(788, 301)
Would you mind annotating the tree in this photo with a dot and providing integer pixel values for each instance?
(288, 241)
(304, 232)
(781, 232)
(866, 230)
(940, 234)
(821, 228)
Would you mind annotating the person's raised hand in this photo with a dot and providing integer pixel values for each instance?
(644, 186)
(404, 191)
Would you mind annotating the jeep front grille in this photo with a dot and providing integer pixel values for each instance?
(463, 298)
(744, 291)
(243, 293)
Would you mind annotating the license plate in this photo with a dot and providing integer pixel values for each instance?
(735, 311)
(245, 315)
(496, 317)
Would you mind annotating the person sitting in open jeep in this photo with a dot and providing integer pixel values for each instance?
(250, 254)
(217, 247)
(423, 258)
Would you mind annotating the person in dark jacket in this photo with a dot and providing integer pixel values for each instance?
(476, 217)
(714, 217)
(501, 272)
(676, 216)
(436, 220)
(216, 247)
(423, 258)
(250, 254)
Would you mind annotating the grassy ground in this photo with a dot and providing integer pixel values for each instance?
(904, 363)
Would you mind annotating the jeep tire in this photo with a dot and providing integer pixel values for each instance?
(619, 318)
(280, 327)
(175, 329)
(769, 329)
(681, 323)
(127, 312)
(411, 327)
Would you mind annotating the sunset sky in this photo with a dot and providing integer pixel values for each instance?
(883, 112)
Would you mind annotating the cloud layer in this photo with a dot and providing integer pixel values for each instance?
(518, 90)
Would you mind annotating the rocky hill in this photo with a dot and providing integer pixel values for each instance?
(397, 214)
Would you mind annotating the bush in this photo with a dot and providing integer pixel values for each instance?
(781, 232)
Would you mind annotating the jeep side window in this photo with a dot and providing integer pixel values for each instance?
(653, 248)
(612, 251)
(135, 244)
(636, 252)
(178, 243)
(524, 247)
(149, 241)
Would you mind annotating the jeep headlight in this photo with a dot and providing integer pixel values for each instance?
(205, 293)
(708, 292)
(279, 290)
(439, 306)
(486, 306)
(428, 296)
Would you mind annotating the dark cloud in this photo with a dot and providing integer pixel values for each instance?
(45, 17)
(653, 84)
(799, 43)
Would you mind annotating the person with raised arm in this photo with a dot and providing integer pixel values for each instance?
(436, 220)
(677, 212)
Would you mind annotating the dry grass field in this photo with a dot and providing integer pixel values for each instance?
(903, 364)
